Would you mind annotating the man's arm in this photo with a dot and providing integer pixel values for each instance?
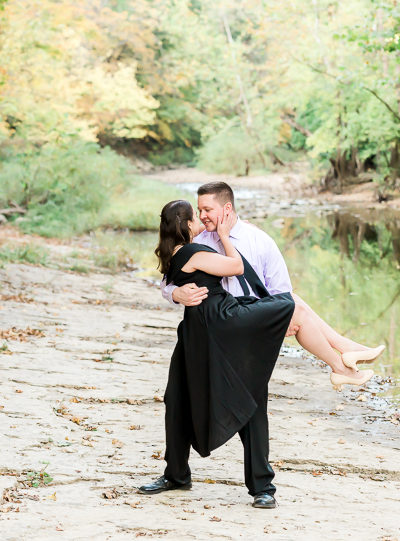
(188, 295)
(276, 275)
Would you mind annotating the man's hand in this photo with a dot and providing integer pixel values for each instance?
(292, 329)
(189, 295)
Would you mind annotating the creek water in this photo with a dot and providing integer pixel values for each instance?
(343, 261)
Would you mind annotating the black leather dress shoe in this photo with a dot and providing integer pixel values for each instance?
(161, 484)
(264, 501)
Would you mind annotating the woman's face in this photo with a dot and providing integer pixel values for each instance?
(196, 227)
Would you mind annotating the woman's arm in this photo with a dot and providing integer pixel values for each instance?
(230, 264)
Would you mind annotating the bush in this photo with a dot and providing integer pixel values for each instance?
(231, 151)
(63, 189)
(71, 190)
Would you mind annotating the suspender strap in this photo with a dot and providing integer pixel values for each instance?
(254, 281)
(243, 285)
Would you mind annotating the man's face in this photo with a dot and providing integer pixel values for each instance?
(210, 209)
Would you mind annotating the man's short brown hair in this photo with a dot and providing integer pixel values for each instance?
(222, 191)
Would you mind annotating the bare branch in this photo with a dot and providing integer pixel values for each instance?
(291, 121)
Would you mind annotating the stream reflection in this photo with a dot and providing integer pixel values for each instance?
(345, 264)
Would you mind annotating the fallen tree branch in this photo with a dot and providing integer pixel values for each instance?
(13, 210)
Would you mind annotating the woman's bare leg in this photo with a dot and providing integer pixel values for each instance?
(336, 340)
(311, 338)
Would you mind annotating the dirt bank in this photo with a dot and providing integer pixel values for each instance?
(81, 413)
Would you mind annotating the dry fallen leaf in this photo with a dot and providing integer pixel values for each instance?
(117, 443)
(135, 505)
(110, 494)
(215, 519)
(209, 481)
(133, 402)
(135, 427)
(87, 443)
(362, 398)
(158, 399)
(16, 298)
(20, 334)
(341, 441)
(52, 497)
(157, 455)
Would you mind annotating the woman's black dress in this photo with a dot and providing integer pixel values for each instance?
(226, 351)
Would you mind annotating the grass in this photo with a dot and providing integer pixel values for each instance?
(138, 208)
(79, 268)
(25, 253)
(125, 250)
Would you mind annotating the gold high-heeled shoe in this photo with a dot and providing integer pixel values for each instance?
(351, 358)
(338, 380)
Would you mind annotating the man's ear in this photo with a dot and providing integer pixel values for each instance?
(228, 207)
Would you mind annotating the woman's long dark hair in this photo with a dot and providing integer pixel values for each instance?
(174, 230)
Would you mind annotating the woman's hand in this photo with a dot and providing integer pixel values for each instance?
(225, 224)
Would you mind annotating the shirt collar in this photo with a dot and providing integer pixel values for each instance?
(236, 231)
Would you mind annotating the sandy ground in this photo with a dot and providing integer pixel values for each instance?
(81, 406)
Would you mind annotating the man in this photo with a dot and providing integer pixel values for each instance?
(215, 200)
(257, 247)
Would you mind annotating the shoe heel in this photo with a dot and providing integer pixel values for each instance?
(351, 364)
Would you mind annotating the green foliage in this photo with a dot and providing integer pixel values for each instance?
(122, 250)
(230, 151)
(38, 479)
(4, 348)
(63, 72)
(26, 253)
(232, 85)
(62, 188)
(138, 208)
(79, 268)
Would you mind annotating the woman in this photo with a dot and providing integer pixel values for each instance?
(227, 347)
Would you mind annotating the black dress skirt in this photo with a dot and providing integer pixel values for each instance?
(226, 351)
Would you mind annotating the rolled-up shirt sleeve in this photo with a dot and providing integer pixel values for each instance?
(167, 290)
(276, 274)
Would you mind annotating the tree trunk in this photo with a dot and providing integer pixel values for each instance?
(248, 125)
